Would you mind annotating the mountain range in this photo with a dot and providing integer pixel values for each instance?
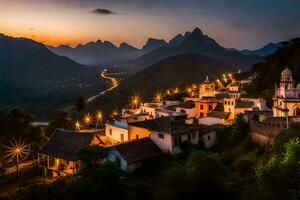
(32, 76)
(192, 42)
(264, 51)
(132, 59)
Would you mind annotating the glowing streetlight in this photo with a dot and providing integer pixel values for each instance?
(114, 113)
(176, 90)
(99, 118)
(18, 151)
(158, 97)
(135, 101)
(77, 126)
(87, 119)
(168, 92)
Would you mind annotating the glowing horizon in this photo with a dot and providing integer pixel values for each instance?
(232, 23)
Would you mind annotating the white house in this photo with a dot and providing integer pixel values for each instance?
(215, 117)
(131, 155)
(170, 136)
(116, 132)
(187, 107)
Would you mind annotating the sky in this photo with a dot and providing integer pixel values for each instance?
(232, 23)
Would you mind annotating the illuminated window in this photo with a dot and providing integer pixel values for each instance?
(110, 131)
(122, 137)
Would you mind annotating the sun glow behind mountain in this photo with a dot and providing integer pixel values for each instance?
(74, 22)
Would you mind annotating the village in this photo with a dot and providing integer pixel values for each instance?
(149, 129)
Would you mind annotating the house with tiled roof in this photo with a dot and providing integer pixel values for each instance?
(59, 155)
(168, 133)
(130, 155)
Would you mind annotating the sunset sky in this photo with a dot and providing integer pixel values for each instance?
(233, 23)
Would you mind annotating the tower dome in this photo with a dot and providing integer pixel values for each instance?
(286, 72)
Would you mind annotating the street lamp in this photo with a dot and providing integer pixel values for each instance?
(98, 118)
(158, 97)
(135, 100)
(17, 150)
(87, 119)
(77, 126)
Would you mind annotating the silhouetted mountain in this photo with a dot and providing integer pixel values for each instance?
(194, 42)
(153, 44)
(31, 74)
(268, 73)
(181, 71)
(97, 53)
(264, 51)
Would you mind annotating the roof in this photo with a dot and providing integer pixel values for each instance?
(168, 125)
(187, 104)
(65, 144)
(137, 150)
(118, 124)
(150, 124)
(244, 104)
(219, 107)
(218, 114)
(286, 72)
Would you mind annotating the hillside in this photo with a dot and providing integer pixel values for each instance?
(268, 72)
(180, 71)
(33, 77)
(98, 53)
(194, 42)
(264, 51)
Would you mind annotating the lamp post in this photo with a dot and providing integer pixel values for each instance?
(77, 126)
(17, 150)
(98, 118)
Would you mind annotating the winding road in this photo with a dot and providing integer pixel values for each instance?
(114, 84)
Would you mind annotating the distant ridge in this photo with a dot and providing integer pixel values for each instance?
(105, 53)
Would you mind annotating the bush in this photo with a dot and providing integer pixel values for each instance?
(244, 166)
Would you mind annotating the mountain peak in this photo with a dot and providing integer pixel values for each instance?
(99, 41)
(108, 44)
(197, 31)
(124, 45)
(153, 43)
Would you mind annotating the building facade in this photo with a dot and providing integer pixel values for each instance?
(286, 100)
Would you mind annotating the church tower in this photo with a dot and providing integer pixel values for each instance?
(286, 100)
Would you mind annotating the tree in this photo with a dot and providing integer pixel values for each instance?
(61, 120)
(284, 137)
(79, 105)
(279, 177)
(16, 122)
(240, 130)
(92, 157)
